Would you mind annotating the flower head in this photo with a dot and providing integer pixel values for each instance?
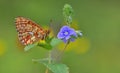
(66, 33)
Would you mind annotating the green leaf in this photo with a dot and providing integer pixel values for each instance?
(45, 45)
(28, 47)
(55, 67)
(50, 43)
(55, 42)
(48, 39)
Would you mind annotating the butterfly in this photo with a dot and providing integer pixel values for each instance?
(29, 32)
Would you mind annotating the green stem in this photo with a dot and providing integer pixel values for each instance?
(49, 61)
(60, 55)
(49, 56)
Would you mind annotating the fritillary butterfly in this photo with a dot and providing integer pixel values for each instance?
(29, 32)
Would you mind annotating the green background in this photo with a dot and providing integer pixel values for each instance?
(98, 19)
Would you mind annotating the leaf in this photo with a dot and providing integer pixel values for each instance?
(45, 45)
(28, 47)
(48, 39)
(38, 60)
(55, 42)
(55, 67)
(49, 43)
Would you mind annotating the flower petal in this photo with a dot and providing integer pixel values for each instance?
(73, 32)
(65, 34)
(65, 41)
(67, 37)
(60, 35)
(64, 28)
(72, 39)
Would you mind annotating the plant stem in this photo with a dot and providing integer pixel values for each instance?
(49, 61)
(46, 71)
(60, 55)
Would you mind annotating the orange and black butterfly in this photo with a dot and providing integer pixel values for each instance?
(29, 32)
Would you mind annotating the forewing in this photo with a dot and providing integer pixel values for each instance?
(28, 31)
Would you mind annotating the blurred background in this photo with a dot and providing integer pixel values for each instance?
(97, 52)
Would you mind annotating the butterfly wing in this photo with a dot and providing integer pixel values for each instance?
(28, 31)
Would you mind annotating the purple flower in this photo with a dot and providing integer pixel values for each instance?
(66, 33)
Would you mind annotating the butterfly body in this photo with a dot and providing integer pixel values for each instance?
(29, 32)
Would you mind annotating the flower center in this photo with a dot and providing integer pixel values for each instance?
(65, 33)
